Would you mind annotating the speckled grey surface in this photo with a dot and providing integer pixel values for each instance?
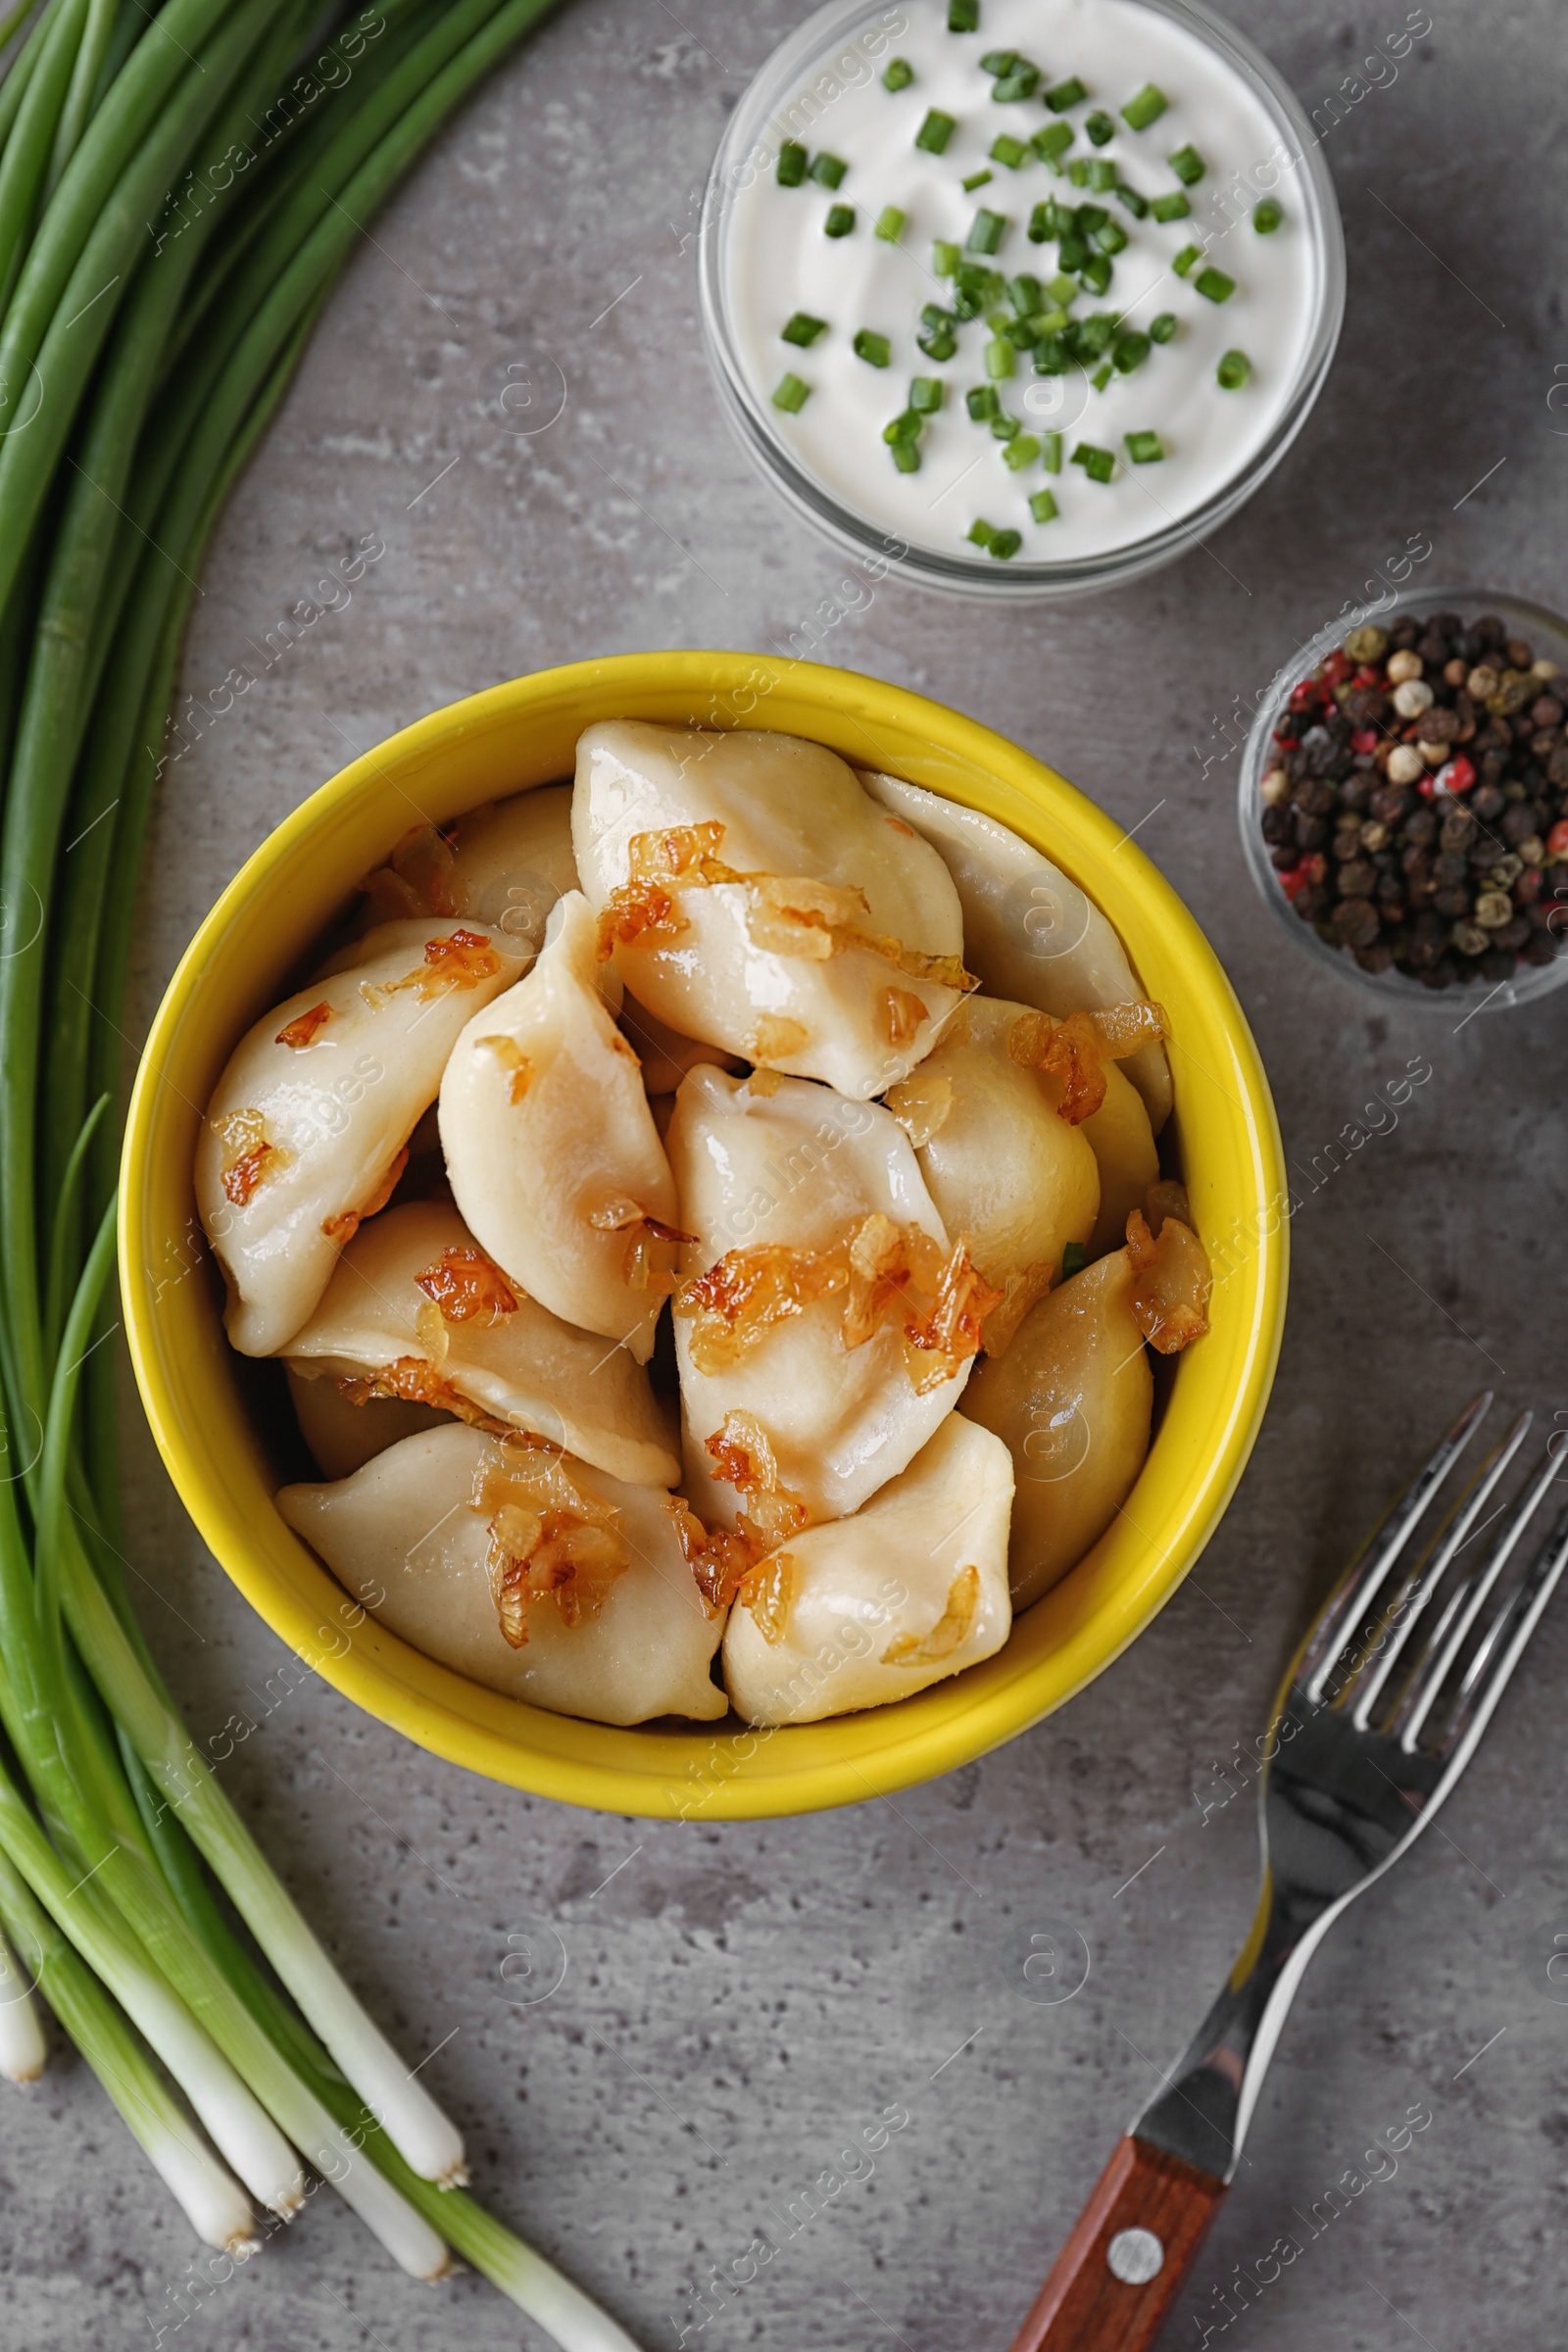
(738, 2001)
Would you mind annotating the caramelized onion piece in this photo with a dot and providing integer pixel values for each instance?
(1075, 1049)
(1172, 1282)
(418, 878)
(774, 1036)
(464, 1284)
(746, 1291)
(301, 1030)
(718, 1560)
(511, 1056)
(249, 1160)
(922, 1104)
(1020, 1291)
(949, 1629)
(343, 1227)
(899, 1015)
(767, 1593)
(456, 959)
(743, 1459)
(549, 1540)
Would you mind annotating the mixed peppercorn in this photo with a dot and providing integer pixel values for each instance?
(1417, 813)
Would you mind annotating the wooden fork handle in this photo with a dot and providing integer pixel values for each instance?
(1122, 2269)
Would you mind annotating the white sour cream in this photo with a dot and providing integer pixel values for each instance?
(777, 260)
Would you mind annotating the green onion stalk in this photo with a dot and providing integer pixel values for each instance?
(169, 231)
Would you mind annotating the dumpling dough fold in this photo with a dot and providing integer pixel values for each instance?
(505, 863)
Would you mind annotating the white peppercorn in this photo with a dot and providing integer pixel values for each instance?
(1483, 681)
(1403, 666)
(1411, 696)
(1493, 909)
(1406, 764)
(1275, 788)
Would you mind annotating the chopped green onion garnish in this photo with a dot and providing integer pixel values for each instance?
(1004, 428)
(982, 532)
(1005, 149)
(1188, 165)
(872, 347)
(1170, 208)
(1101, 173)
(1214, 285)
(1101, 376)
(1001, 359)
(790, 393)
(1093, 335)
(1004, 544)
(1062, 288)
(839, 220)
(890, 225)
(1267, 216)
(964, 16)
(792, 160)
(1099, 126)
(1164, 327)
(1095, 272)
(983, 403)
(925, 394)
(986, 232)
(1048, 323)
(1072, 251)
(1129, 351)
(1233, 370)
(1078, 172)
(999, 61)
(945, 258)
(1023, 292)
(1052, 143)
(976, 179)
(1021, 452)
(1144, 448)
(899, 74)
(937, 342)
(1043, 507)
(1185, 261)
(1051, 356)
(802, 329)
(935, 132)
(1020, 333)
(1051, 452)
(1113, 238)
(907, 457)
(1074, 1256)
(828, 170)
(1088, 217)
(1145, 107)
(1137, 205)
(1021, 82)
(1099, 463)
(908, 427)
(1070, 92)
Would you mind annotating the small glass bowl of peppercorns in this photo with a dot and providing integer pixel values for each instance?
(1405, 810)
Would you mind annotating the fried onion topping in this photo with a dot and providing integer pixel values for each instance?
(1172, 1282)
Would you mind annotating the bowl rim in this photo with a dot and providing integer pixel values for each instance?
(1530, 982)
(1224, 1112)
(755, 429)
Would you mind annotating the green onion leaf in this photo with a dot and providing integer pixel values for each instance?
(1074, 1256)
(899, 74)
(802, 328)
(1144, 448)
(1174, 207)
(1051, 356)
(964, 16)
(1214, 285)
(1070, 92)
(1043, 507)
(1145, 105)
(1002, 360)
(1078, 171)
(791, 160)
(874, 348)
(1062, 288)
(986, 232)
(1095, 272)
(977, 179)
(1074, 251)
(983, 403)
(1113, 238)
(1100, 128)
(999, 61)
(938, 343)
(1021, 452)
(828, 170)
(1188, 165)
(790, 394)
(945, 258)
(1005, 149)
(1004, 428)
(1164, 327)
(908, 427)
(1004, 545)
(889, 224)
(839, 220)
(1129, 351)
(1053, 142)
(1021, 82)
(981, 533)
(1233, 370)
(935, 132)
(1051, 455)
(1267, 216)
(907, 457)
(1137, 205)
(1102, 174)
(1099, 463)
(1023, 292)
(925, 394)
(1187, 259)
(1101, 376)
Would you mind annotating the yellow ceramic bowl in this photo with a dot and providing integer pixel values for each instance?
(242, 959)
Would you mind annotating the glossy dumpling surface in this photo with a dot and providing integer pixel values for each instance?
(1030, 934)
(504, 864)
(761, 901)
(305, 1133)
(776, 1179)
(552, 1155)
(1071, 1400)
(342, 1436)
(873, 1608)
(417, 1310)
(440, 1537)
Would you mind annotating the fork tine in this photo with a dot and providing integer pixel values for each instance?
(1370, 1683)
(1345, 1614)
(1505, 1642)
(1421, 1695)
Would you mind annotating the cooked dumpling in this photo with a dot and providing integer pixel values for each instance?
(823, 1327)
(1071, 1400)
(666, 1056)
(416, 1311)
(873, 1608)
(506, 865)
(551, 1151)
(532, 1572)
(1004, 1169)
(756, 897)
(343, 1436)
(1030, 934)
(307, 1128)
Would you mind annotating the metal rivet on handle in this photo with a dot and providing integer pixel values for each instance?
(1135, 2256)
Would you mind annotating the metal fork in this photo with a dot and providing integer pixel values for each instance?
(1379, 1714)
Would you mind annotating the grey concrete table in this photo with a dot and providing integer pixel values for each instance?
(738, 2001)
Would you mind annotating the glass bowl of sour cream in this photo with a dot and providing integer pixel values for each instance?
(1022, 297)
